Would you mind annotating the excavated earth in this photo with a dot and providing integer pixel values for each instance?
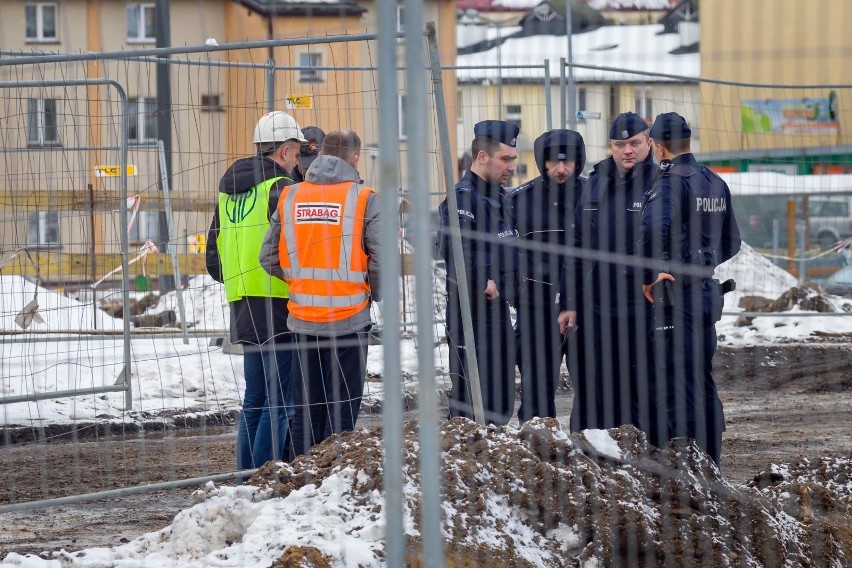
(534, 497)
(539, 497)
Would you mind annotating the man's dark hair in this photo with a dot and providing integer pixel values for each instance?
(266, 148)
(483, 143)
(679, 146)
(342, 143)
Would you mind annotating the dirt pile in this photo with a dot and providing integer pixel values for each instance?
(539, 497)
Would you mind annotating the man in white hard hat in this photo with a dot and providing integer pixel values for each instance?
(248, 196)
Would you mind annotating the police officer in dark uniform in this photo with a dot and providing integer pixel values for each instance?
(542, 212)
(480, 195)
(612, 317)
(687, 218)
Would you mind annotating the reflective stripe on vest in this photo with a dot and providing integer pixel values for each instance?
(243, 223)
(321, 251)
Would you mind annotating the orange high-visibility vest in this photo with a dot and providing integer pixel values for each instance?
(321, 250)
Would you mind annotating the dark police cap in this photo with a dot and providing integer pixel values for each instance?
(627, 125)
(499, 130)
(310, 149)
(670, 126)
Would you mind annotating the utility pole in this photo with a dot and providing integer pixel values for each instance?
(164, 125)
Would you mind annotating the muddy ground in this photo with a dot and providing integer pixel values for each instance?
(782, 402)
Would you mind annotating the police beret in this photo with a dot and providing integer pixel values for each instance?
(499, 130)
(670, 126)
(627, 125)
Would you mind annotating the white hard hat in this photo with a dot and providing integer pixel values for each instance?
(277, 126)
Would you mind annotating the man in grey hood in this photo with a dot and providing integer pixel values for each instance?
(323, 240)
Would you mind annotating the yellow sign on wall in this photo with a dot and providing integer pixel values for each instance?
(197, 243)
(114, 171)
(301, 102)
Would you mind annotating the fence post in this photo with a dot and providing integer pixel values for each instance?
(270, 85)
(562, 94)
(548, 102)
(170, 233)
(427, 407)
(392, 413)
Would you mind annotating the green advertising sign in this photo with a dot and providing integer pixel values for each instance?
(783, 116)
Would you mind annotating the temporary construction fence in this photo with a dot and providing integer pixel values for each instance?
(102, 228)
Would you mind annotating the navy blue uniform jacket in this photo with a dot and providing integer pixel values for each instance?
(543, 213)
(609, 218)
(687, 217)
(480, 210)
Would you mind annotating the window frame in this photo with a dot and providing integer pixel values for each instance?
(140, 120)
(644, 97)
(514, 114)
(400, 19)
(41, 127)
(43, 220)
(145, 227)
(212, 102)
(401, 105)
(308, 73)
(39, 22)
(141, 7)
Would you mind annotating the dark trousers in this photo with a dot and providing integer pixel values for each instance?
(495, 356)
(328, 374)
(538, 345)
(610, 370)
(684, 343)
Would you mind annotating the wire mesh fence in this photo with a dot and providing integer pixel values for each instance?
(601, 494)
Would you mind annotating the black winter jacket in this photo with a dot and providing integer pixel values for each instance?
(609, 219)
(543, 213)
(254, 320)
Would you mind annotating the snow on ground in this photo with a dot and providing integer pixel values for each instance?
(528, 497)
(175, 378)
(756, 275)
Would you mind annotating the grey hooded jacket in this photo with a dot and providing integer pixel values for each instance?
(328, 170)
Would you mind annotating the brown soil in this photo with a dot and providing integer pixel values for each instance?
(784, 404)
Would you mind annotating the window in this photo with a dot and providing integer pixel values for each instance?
(400, 19)
(42, 129)
(642, 101)
(140, 23)
(581, 99)
(43, 228)
(513, 115)
(141, 120)
(403, 128)
(211, 103)
(145, 227)
(41, 22)
(308, 63)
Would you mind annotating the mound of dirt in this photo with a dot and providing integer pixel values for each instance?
(806, 298)
(539, 497)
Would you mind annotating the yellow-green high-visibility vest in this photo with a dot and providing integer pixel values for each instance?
(243, 223)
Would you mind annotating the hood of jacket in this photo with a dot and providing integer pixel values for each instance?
(246, 173)
(552, 141)
(331, 169)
